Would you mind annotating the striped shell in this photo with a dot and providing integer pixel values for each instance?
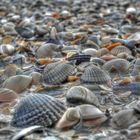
(120, 49)
(7, 49)
(47, 50)
(120, 65)
(56, 73)
(37, 109)
(18, 83)
(94, 74)
(81, 95)
(7, 95)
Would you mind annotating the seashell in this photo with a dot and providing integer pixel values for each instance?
(108, 57)
(36, 78)
(102, 52)
(7, 95)
(119, 65)
(90, 51)
(46, 50)
(98, 61)
(56, 73)
(85, 112)
(94, 74)
(18, 83)
(119, 49)
(81, 95)
(38, 109)
(123, 55)
(110, 47)
(7, 49)
(123, 119)
(137, 64)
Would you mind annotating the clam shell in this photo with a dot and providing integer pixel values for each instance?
(121, 65)
(18, 83)
(56, 73)
(102, 52)
(7, 49)
(94, 74)
(47, 50)
(90, 51)
(7, 95)
(108, 57)
(81, 95)
(123, 119)
(120, 49)
(37, 109)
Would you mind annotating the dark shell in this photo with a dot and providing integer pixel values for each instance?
(94, 74)
(81, 95)
(120, 65)
(37, 109)
(56, 73)
(119, 49)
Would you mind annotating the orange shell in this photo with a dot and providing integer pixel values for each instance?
(111, 46)
(43, 61)
(72, 78)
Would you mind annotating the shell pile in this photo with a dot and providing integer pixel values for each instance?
(70, 65)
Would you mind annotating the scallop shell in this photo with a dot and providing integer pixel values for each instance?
(121, 65)
(37, 109)
(81, 95)
(90, 51)
(47, 50)
(94, 74)
(7, 95)
(18, 83)
(7, 49)
(123, 119)
(56, 73)
(119, 49)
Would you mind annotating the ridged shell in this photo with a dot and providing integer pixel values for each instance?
(18, 83)
(7, 49)
(81, 95)
(94, 74)
(7, 95)
(47, 50)
(121, 65)
(120, 49)
(98, 61)
(37, 109)
(90, 51)
(123, 119)
(56, 73)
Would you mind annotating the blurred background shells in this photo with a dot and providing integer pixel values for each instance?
(37, 109)
(7, 49)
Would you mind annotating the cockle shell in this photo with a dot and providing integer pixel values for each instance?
(7, 95)
(85, 112)
(7, 49)
(94, 74)
(119, 49)
(37, 109)
(56, 73)
(123, 119)
(120, 65)
(18, 83)
(81, 95)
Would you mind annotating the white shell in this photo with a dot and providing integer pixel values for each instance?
(7, 49)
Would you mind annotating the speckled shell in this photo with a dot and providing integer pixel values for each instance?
(90, 51)
(123, 119)
(81, 95)
(18, 83)
(121, 65)
(94, 74)
(47, 50)
(7, 95)
(120, 49)
(56, 73)
(37, 109)
(7, 49)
